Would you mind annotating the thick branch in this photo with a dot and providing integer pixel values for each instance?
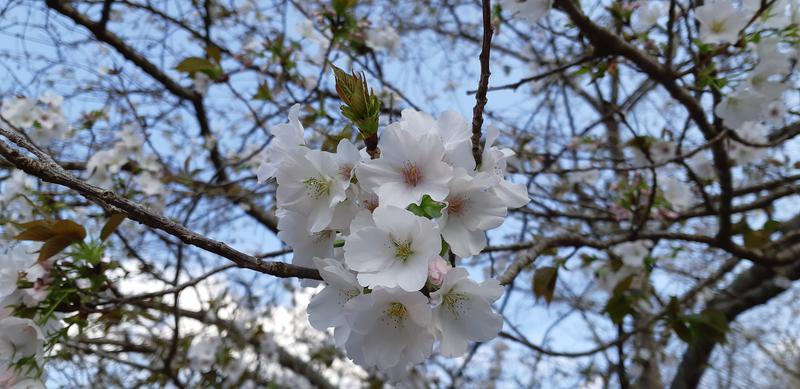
(750, 289)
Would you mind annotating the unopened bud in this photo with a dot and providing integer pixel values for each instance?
(437, 269)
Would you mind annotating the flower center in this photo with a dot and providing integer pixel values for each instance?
(412, 175)
(371, 203)
(455, 303)
(349, 294)
(758, 80)
(396, 313)
(322, 235)
(345, 171)
(774, 112)
(403, 249)
(717, 26)
(317, 187)
(456, 205)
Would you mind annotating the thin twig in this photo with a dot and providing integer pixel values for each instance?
(483, 83)
(540, 76)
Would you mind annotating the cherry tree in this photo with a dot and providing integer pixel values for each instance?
(442, 193)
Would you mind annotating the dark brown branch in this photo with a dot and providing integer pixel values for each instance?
(48, 170)
(483, 83)
(105, 14)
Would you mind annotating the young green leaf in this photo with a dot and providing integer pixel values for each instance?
(427, 208)
(361, 105)
(195, 64)
(111, 225)
(544, 282)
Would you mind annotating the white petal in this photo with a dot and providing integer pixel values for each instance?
(368, 250)
(325, 309)
(512, 194)
(463, 242)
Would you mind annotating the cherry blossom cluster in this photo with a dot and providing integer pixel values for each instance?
(757, 98)
(757, 101)
(22, 340)
(104, 164)
(23, 280)
(379, 230)
(42, 119)
(25, 283)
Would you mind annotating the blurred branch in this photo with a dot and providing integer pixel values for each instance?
(606, 42)
(540, 76)
(99, 31)
(750, 289)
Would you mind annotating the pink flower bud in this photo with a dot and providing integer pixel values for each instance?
(437, 268)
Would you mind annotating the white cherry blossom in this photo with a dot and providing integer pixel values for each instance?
(203, 352)
(471, 210)
(383, 38)
(19, 338)
(494, 162)
(19, 111)
(720, 22)
(463, 311)
(741, 105)
(743, 154)
(372, 296)
(149, 179)
(13, 261)
(632, 253)
(105, 163)
(200, 83)
(410, 167)
(14, 379)
(702, 164)
(16, 184)
(678, 193)
(311, 183)
(648, 14)
(451, 128)
(43, 122)
(347, 157)
(752, 132)
(326, 308)
(390, 328)
(395, 252)
(288, 139)
(293, 229)
(774, 112)
(530, 10)
(51, 99)
(662, 151)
